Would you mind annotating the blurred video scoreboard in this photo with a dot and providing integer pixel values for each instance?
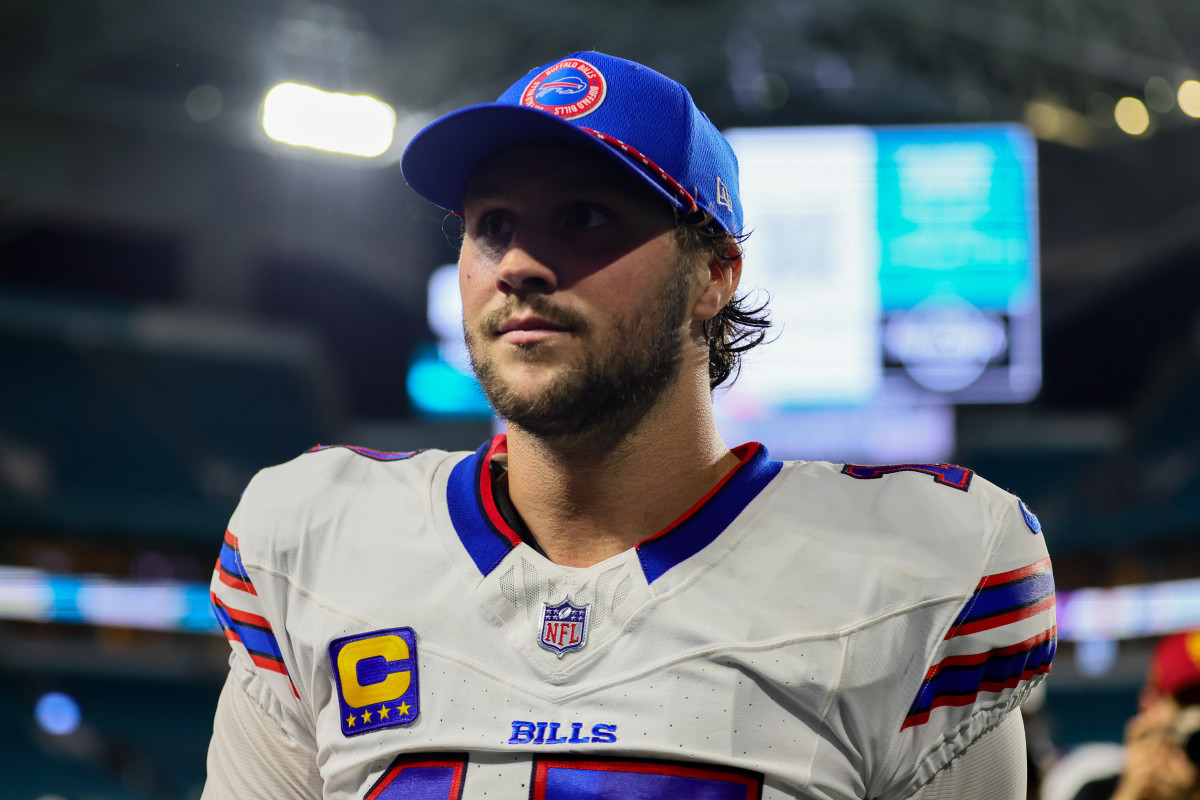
(902, 269)
(901, 263)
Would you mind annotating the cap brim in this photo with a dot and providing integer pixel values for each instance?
(440, 160)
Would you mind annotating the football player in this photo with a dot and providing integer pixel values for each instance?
(608, 601)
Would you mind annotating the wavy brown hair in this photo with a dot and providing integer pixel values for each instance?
(740, 325)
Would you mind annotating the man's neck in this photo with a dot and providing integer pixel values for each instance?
(585, 504)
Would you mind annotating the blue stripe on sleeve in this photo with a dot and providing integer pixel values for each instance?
(254, 638)
(1007, 597)
(231, 564)
(969, 680)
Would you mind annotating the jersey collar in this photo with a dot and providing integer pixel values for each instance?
(488, 538)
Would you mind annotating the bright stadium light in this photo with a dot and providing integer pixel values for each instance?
(1132, 116)
(1189, 98)
(356, 125)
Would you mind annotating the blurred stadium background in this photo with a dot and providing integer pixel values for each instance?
(184, 300)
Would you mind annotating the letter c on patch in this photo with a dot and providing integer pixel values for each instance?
(389, 648)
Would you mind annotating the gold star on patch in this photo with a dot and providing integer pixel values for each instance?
(404, 708)
(350, 720)
(366, 715)
(384, 711)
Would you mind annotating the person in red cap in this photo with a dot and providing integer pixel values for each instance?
(1160, 750)
(607, 601)
(1174, 670)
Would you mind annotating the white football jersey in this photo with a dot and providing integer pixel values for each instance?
(807, 629)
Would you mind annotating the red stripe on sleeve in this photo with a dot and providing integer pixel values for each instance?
(269, 663)
(968, 699)
(1015, 575)
(1002, 619)
(974, 659)
(234, 581)
(275, 666)
(243, 617)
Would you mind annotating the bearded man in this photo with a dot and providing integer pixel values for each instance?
(608, 601)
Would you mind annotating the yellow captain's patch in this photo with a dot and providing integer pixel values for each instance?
(376, 678)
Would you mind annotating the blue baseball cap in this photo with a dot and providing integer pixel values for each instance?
(642, 119)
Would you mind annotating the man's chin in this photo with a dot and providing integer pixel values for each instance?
(526, 382)
(542, 401)
(513, 359)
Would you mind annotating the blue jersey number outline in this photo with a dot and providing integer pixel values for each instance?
(566, 777)
(945, 474)
(426, 776)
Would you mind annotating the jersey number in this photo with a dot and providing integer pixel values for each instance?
(568, 778)
(945, 474)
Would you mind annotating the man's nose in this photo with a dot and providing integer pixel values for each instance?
(521, 272)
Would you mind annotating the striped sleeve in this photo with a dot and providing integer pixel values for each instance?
(988, 656)
(1004, 637)
(238, 609)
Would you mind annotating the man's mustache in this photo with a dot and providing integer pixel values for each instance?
(532, 305)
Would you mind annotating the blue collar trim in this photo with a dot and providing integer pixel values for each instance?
(488, 539)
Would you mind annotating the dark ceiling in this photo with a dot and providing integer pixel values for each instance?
(96, 132)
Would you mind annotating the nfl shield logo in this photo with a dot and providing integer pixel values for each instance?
(564, 626)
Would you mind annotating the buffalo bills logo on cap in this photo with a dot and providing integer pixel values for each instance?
(569, 89)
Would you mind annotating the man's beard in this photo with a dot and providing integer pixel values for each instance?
(606, 395)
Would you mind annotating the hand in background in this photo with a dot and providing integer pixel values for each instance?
(1156, 767)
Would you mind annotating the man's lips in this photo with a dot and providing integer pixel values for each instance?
(523, 324)
(527, 330)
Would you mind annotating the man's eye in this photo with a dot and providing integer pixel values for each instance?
(586, 216)
(494, 225)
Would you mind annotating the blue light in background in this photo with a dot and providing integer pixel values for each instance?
(1098, 616)
(1095, 657)
(440, 381)
(439, 390)
(57, 713)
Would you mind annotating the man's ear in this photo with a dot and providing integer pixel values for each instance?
(719, 281)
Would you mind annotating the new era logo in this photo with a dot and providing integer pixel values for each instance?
(723, 196)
